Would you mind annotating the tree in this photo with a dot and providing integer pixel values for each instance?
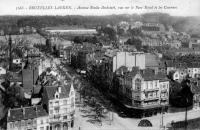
(78, 39)
(180, 94)
(136, 42)
(111, 33)
(135, 32)
(120, 31)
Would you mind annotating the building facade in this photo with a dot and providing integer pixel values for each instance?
(144, 91)
(60, 103)
(27, 118)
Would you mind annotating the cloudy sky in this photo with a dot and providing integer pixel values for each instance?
(178, 7)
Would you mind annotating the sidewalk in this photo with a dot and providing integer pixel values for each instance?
(120, 123)
(179, 116)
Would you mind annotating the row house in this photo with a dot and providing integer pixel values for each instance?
(152, 42)
(60, 103)
(152, 28)
(28, 118)
(144, 92)
(179, 71)
(178, 74)
(185, 51)
(193, 70)
(1, 32)
(174, 43)
(195, 89)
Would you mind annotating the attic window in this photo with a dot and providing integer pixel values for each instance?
(56, 96)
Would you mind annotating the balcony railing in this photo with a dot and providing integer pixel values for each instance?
(151, 98)
(153, 89)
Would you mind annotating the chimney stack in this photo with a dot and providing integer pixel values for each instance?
(59, 89)
(9, 112)
(23, 110)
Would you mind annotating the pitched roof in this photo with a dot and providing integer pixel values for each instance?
(14, 77)
(195, 88)
(51, 90)
(15, 115)
(147, 74)
(30, 113)
(25, 113)
(151, 60)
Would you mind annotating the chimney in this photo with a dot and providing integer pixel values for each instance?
(9, 112)
(23, 110)
(35, 108)
(59, 89)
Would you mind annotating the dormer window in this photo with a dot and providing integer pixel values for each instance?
(138, 84)
(56, 95)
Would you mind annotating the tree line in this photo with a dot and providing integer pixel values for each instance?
(187, 24)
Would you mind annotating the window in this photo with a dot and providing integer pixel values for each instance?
(41, 121)
(64, 117)
(56, 110)
(65, 102)
(65, 110)
(146, 95)
(137, 84)
(150, 95)
(72, 93)
(151, 85)
(11, 125)
(34, 121)
(22, 123)
(72, 102)
(51, 111)
(56, 96)
(147, 85)
(56, 103)
(164, 86)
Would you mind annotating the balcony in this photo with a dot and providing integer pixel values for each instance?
(55, 118)
(163, 90)
(164, 98)
(153, 89)
(151, 98)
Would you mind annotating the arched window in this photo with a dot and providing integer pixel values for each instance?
(138, 84)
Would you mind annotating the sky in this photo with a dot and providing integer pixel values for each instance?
(22, 7)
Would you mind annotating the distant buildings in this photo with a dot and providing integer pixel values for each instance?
(152, 28)
(185, 51)
(72, 31)
(1, 32)
(194, 43)
(2, 71)
(196, 93)
(27, 30)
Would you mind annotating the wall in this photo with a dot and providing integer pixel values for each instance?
(129, 60)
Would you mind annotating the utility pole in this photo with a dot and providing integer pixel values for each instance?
(186, 114)
(161, 117)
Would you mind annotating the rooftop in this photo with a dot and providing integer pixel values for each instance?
(25, 113)
(51, 90)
